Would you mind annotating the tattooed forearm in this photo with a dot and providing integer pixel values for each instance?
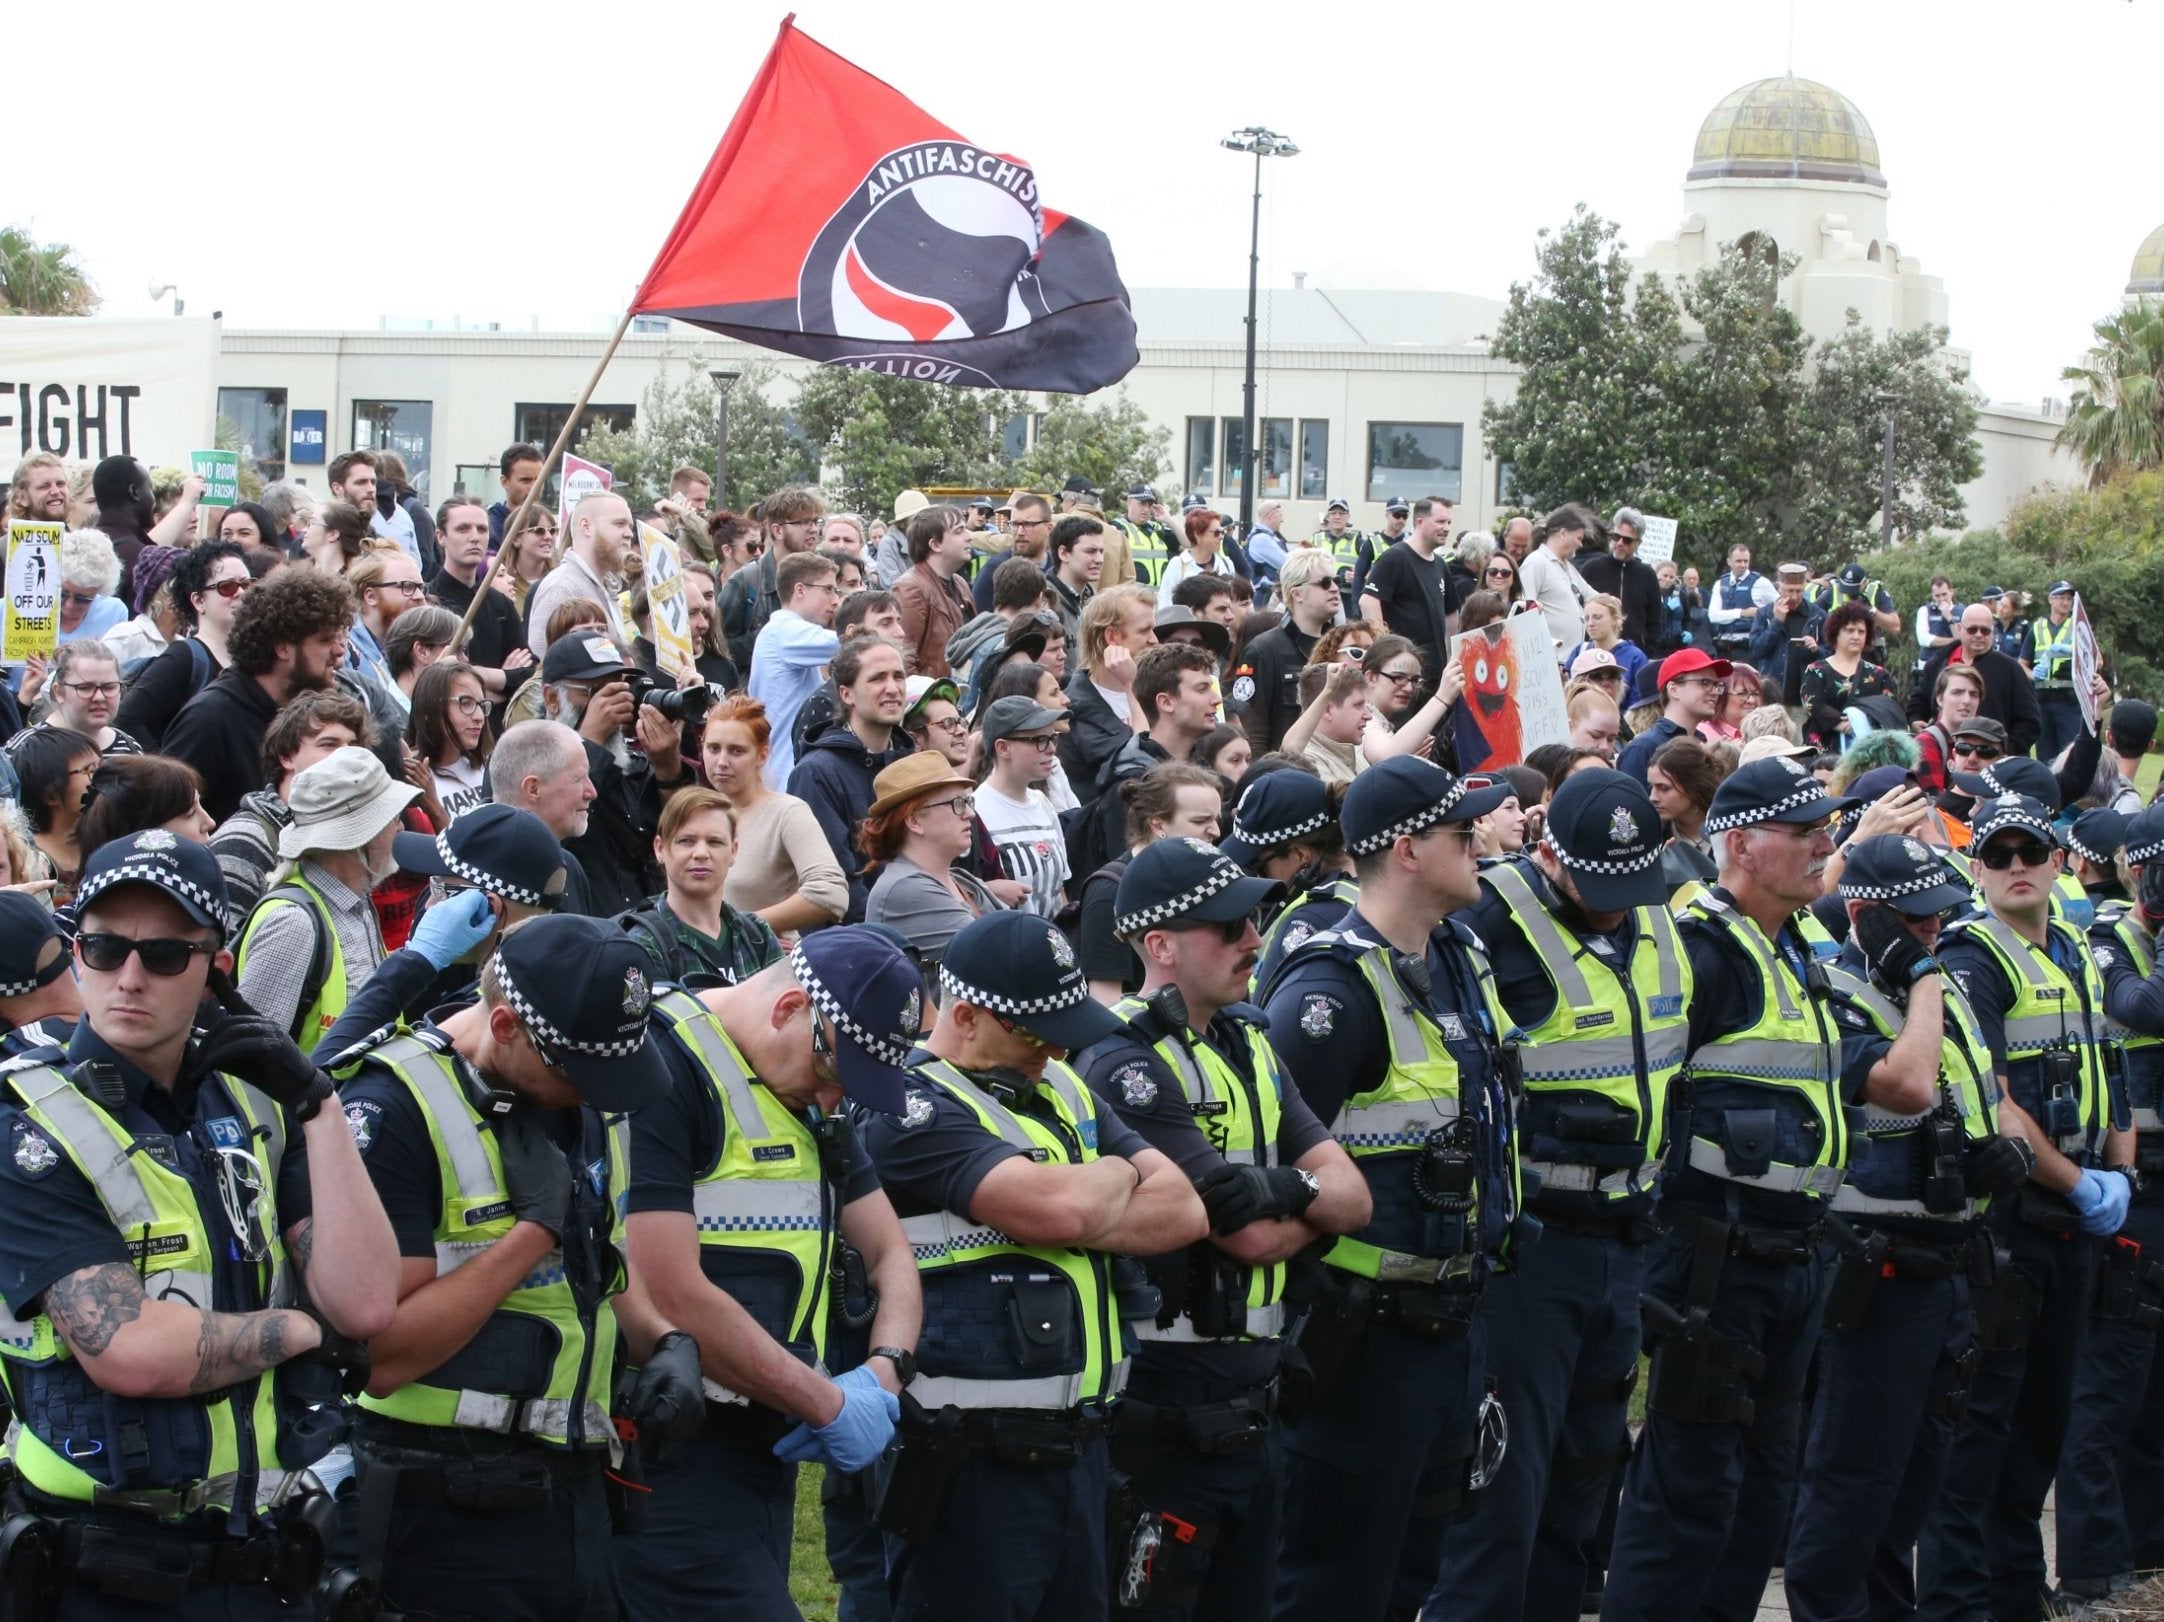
(90, 1307)
(301, 1244)
(236, 1346)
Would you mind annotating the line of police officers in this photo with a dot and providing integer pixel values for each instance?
(1322, 1296)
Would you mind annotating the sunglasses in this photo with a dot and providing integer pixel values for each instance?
(2030, 853)
(1979, 751)
(229, 589)
(160, 956)
(1231, 932)
(1499, 574)
(81, 599)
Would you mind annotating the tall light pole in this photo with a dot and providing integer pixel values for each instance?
(722, 382)
(1264, 144)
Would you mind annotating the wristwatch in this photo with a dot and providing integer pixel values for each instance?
(903, 1359)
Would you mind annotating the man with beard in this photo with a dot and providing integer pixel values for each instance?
(39, 491)
(493, 646)
(288, 637)
(601, 536)
(387, 583)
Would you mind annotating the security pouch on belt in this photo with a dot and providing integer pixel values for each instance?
(911, 1480)
(1856, 1277)
(1158, 1559)
(2129, 1286)
(1699, 1375)
(1328, 1337)
(2062, 1097)
(1214, 1430)
(2004, 1299)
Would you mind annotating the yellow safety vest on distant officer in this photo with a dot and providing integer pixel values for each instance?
(538, 1341)
(1616, 1037)
(1240, 1118)
(1009, 1325)
(2052, 1013)
(2053, 667)
(1344, 549)
(765, 1210)
(2144, 1052)
(162, 1456)
(313, 1022)
(1766, 1107)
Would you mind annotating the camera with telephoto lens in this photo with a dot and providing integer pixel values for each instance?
(1945, 1189)
(2062, 1100)
(683, 705)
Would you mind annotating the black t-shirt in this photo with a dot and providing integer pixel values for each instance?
(1417, 595)
(1101, 954)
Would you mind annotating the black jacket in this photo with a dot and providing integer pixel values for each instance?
(1265, 693)
(834, 777)
(154, 699)
(748, 600)
(495, 628)
(220, 733)
(1099, 833)
(617, 848)
(2010, 700)
(1637, 585)
(1094, 735)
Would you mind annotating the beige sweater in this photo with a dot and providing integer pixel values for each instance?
(780, 852)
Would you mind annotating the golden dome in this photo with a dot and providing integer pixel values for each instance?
(1786, 129)
(2148, 274)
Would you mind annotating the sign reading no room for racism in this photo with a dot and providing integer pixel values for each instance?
(87, 388)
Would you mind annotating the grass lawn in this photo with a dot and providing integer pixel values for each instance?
(811, 1584)
(2146, 778)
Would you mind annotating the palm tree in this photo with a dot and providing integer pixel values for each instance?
(2115, 423)
(42, 278)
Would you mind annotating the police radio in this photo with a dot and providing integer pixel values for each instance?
(2062, 1101)
(1945, 1189)
(1444, 1174)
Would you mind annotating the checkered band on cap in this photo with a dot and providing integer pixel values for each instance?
(1428, 817)
(1222, 874)
(2074, 844)
(879, 1047)
(1263, 838)
(1589, 864)
(1986, 826)
(1073, 994)
(540, 1024)
(2142, 853)
(164, 877)
(1935, 878)
(493, 883)
(1807, 789)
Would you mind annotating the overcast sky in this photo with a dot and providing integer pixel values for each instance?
(309, 166)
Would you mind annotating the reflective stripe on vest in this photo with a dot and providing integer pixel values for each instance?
(161, 1220)
(2141, 1047)
(2050, 1011)
(2054, 646)
(312, 1023)
(476, 1212)
(946, 1240)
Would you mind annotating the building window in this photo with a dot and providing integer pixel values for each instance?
(649, 323)
(1276, 477)
(481, 480)
(1314, 460)
(260, 415)
(1201, 455)
(1415, 459)
(538, 423)
(1506, 484)
(405, 427)
(1014, 439)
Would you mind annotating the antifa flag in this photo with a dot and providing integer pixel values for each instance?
(839, 221)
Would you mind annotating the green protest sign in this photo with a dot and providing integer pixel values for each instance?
(220, 473)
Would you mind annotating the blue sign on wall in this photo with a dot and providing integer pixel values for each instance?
(311, 430)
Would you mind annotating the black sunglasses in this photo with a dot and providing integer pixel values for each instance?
(1980, 751)
(1230, 931)
(2032, 853)
(160, 956)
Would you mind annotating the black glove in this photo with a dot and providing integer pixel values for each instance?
(345, 1357)
(535, 1173)
(665, 1399)
(1896, 957)
(2152, 891)
(2000, 1167)
(258, 1051)
(1237, 1195)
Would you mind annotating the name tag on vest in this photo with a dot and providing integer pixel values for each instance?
(774, 1151)
(487, 1213)
(1587, 1022)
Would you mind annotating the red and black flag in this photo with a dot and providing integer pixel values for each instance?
(839, 221)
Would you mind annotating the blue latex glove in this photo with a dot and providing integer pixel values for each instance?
(857, 1435)
(453, 927)
(2100, 1199)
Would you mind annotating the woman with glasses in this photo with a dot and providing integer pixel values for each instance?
(448, 733)
(1836, 684)
(89, 571)
(207, 585)
(1027, 679)
(1205, 554)
(1396, 673)
(532, 549)
(1746, 691)
(55, 766)
(86, 693)
(923, 817)
(1500, 576)
(1341, 644)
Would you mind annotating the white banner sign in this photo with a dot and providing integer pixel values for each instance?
(86, 388)
(1658, 543)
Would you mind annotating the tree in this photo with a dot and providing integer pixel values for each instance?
(1856, 379)
(675, 427)
(1112, 445)
(889, 434)
(42, 278)
(1590, 359)
(2115, 422)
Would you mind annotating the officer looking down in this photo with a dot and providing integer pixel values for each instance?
(1286, 829)
(1388, 1027)
(1020, 1199)
(1195, 1077)
(39, 999)
(191, 1253)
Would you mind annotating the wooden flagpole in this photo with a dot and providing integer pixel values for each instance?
(518, 519)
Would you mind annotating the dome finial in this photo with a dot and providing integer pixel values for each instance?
(1786, 129)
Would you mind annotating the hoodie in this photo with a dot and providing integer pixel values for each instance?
(970, 639)
(834, 777)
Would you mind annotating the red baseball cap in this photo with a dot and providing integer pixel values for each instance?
(1687, 661)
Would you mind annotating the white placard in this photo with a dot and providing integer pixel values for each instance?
(1658, 543)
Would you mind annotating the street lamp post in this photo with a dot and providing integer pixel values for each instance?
(1263, 144)
(722, 383)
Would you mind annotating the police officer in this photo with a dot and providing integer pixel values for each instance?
(1388, 1027)
(1592, 975)
(2093, 842)
(743, 1182)
(1018, 1196)
(177, 1310)
(1898, 1345)
(2111, 1470)
(496, 1136)
(2051, 668)
(1342, 542)
(1150, 540)
(39, 999)
(2039, 1003)
(1396, 513)
(1733, 1287)
(1285, 829)
(1195, 1078)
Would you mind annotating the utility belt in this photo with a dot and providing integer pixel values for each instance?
(2129, 1286)
(131, 1558)
(1212, 1429)
(744, 1424)
(2149, 1155)
(1345, 1306)
(1638, 1229)
(2041, 1209)
(1700, 1375)
(1869, 1257)
(910, 1481)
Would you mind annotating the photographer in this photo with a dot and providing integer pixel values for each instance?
(588, 686)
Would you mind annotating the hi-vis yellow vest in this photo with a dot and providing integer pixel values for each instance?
(312, 1023)
(2051, 1011)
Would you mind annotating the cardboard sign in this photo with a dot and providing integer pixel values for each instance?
(581, 479)
(1513, 693)
(220, 473)
(33, 586)
(2085, 664)
(1658, 543)
(667, 606)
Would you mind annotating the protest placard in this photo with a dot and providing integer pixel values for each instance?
(2085, 664)
(668, 608)
(1658, 543)
(220, 473)
(33, 587)
(581, 479)
(1513, 693)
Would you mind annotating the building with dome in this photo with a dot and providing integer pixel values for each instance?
(2147, 279)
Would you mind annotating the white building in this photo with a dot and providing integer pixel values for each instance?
(1364, 393)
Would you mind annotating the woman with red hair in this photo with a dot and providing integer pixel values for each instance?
(1205, 553)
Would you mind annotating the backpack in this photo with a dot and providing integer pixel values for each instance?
(199, 671)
